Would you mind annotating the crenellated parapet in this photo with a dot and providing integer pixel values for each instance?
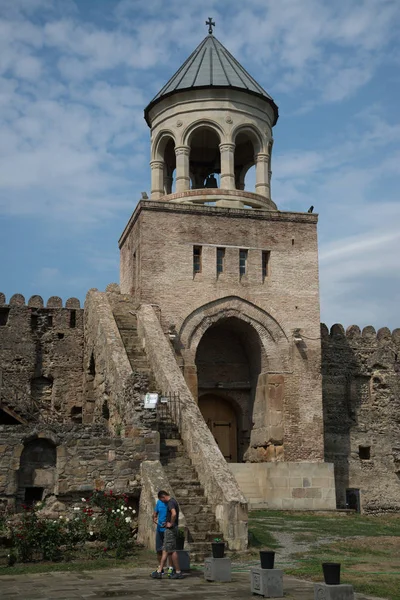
(367, 336)
(37, 302)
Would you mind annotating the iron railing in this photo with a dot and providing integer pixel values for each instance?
(168, 414)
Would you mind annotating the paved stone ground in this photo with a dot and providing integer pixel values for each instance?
(124, 584)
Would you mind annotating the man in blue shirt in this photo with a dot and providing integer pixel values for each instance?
(170, 536)
(160, 518)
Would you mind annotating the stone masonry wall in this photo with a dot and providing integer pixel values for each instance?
(114, 391)
(87, 458)
(157, 266)
(361, 400)
(41, 358)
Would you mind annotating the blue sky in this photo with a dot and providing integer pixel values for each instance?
(74, 147)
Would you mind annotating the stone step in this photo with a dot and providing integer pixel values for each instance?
(205, 536)
(124, 315)
(144, 371)
(184, 483)
(205, 522)
(175, 452)
(171, 443)
(195, 501)
(202, 526)
(184, 492)
(200, 550)
(177, 463)
(134, 349)
(195, 511)
(175, 455)
(127, 327)
(138, 363)
(181, 475)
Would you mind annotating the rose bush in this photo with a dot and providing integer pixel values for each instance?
(104, 517)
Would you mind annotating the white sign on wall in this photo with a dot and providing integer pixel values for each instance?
(150, 400)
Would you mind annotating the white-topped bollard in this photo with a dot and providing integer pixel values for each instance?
(217, 569)
(267, 582)
(324, 591)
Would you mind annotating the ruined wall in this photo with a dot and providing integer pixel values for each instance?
(41, 358)
(114, 390)
(361, 401)
(86, 458)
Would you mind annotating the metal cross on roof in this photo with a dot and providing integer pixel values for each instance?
(210, 24)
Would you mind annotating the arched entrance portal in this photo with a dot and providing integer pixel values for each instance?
(228, 362)
(220, 417)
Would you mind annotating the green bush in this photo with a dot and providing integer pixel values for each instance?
(103, 517)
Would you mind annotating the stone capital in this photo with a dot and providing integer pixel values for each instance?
(185, 150)
(227, 147)
(262, 157)
(157, 164)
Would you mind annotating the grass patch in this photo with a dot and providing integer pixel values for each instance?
(368, 547)
(340, 524)
(260, 536)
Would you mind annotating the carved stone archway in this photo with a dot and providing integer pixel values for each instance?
(273, 338)
(266, 395)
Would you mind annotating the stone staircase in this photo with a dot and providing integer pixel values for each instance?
(200, 518)
(125, 317)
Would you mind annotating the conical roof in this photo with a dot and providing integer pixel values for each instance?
(211, 66)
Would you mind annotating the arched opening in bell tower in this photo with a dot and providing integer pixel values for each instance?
(228, 361)
(205, 158)
(247, 146)
(169, 166)
(164, 165)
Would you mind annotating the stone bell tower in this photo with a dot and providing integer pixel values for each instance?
(234, 280)
(211, 118)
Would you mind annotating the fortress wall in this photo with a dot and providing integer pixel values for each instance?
(41, 357)
(361, 403)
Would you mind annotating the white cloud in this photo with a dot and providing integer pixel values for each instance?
(74, 148)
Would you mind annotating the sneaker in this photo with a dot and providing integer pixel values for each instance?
(156, 575)
(177, 575)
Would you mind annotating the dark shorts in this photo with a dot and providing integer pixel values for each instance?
(170, 539)
(159, 540)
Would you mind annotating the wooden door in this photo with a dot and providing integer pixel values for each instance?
(220, 417)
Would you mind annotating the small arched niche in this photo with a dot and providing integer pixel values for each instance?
(37, 472)
(247, 146)
(205, 157)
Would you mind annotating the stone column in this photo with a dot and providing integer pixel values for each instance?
(262, 174)
(168, 180)
(182, 168)
(227, 166)
(157, 179)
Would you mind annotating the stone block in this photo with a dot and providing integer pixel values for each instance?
(279, 482)
(322, 482)
(184, 560)
(266, 582)
(295, 482)
(313, 493)
(217, 569)
(44, 478)
(323, 591)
